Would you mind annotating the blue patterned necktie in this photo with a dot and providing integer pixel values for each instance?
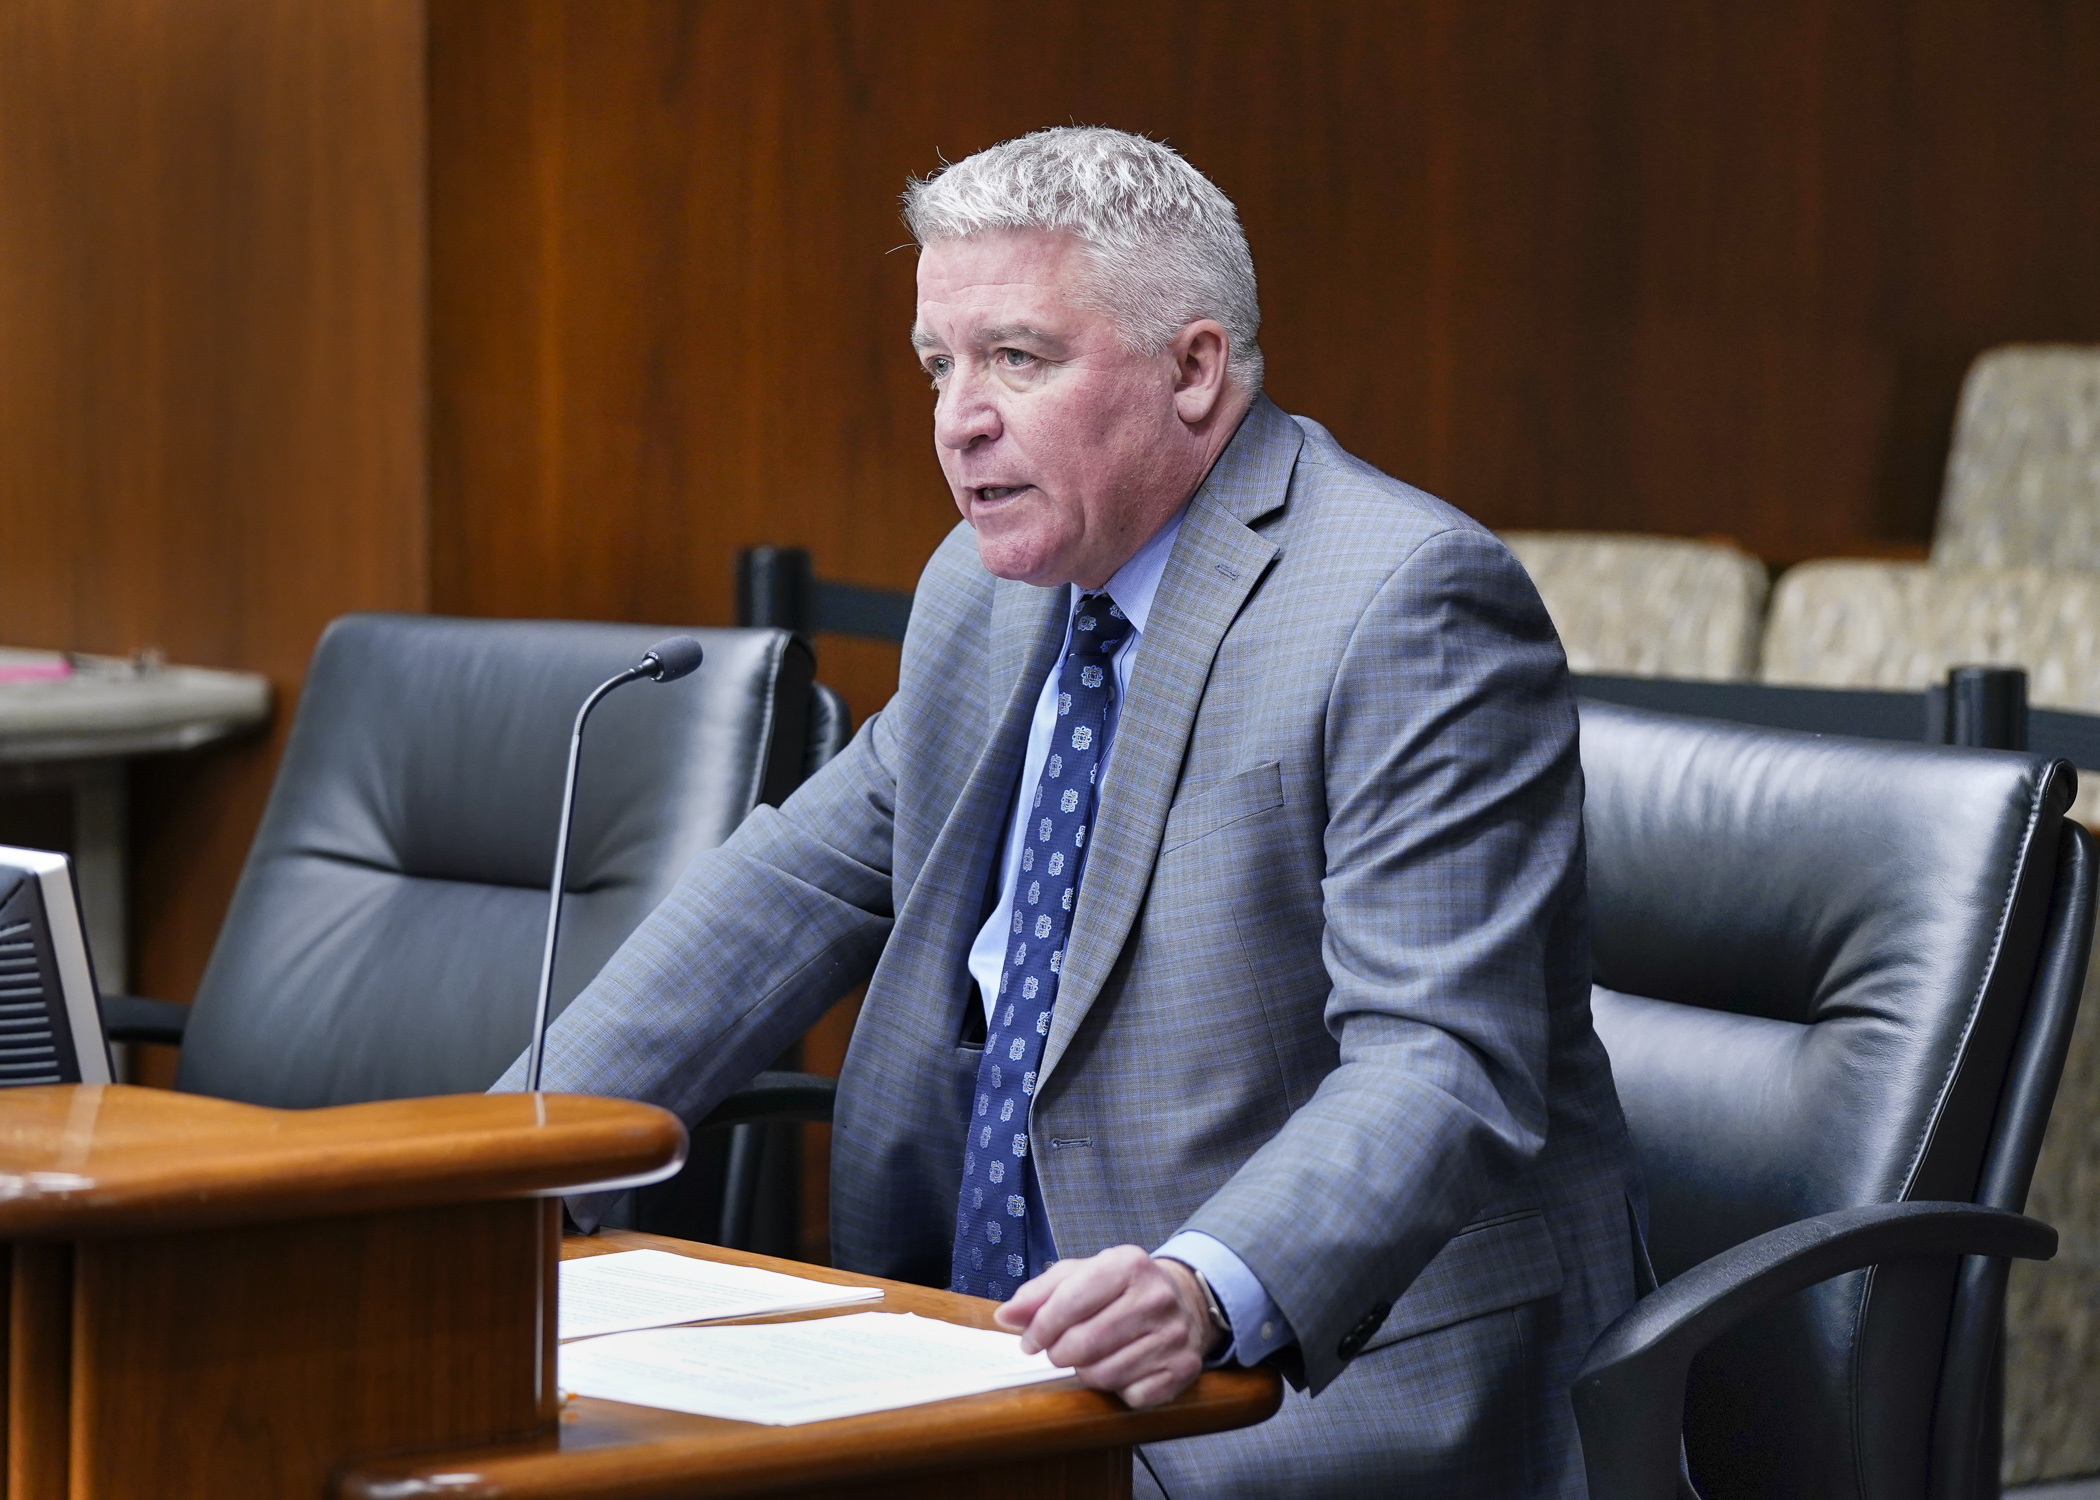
(991, 1220)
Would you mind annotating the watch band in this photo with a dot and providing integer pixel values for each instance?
(1218, 1320)
(1217, 1313)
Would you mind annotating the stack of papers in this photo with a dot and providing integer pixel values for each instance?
(653, 1288)
(784, 1373)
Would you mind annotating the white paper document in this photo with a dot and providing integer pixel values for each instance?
(653, 1288)
(811, 1371)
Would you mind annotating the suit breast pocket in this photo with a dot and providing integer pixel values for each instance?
(1235, 799)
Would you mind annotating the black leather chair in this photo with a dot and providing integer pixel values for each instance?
(384, 939)
(776, 586)
(1836, 979)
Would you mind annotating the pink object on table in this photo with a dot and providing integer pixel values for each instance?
(36, 671)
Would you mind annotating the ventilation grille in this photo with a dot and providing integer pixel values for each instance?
(29, 1042)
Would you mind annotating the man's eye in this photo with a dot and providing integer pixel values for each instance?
(1015, 359)
(937, 368)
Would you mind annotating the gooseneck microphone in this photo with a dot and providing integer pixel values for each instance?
(666, 661)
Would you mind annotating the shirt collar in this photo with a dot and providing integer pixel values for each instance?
(1133, 585)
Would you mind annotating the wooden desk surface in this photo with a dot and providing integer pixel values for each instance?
(616, 1452)
(86, 1161)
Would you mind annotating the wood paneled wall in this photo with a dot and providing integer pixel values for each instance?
(212, 368)
(1651, 265)
(1694, 266)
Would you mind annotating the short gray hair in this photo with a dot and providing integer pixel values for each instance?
(1166, 244)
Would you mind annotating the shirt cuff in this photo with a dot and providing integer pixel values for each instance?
(1259, 1327)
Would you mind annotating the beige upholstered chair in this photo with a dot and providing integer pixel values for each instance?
(1902, 625)
(1648, 606)
(1844, 623)
(2023, 475)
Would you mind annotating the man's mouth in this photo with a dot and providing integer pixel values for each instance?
(993, 493)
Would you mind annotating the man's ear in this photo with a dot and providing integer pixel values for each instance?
(1200, 353)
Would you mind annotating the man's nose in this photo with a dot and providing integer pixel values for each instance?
(964, 414)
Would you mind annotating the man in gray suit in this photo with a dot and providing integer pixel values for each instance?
(1217, 876)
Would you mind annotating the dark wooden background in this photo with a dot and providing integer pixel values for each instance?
(212, 369)
(1651, 266)
(546, 307)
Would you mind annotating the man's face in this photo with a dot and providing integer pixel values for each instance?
(1064, 450)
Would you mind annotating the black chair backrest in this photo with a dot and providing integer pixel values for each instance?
(776, 586)
(385, 936)
(830, 726)
(1812, 958)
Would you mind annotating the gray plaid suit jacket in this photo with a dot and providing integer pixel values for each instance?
(1327, 993)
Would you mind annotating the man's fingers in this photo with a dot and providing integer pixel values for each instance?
(1081, 1293)
(1015, 1313)
(1147, 1371)
(1118, 1319)
(1151, 1351)
(1140, 1308)
(1158, 1386)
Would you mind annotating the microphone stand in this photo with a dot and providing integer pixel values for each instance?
(664, 662)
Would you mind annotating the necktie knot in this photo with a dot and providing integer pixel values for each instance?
(1098, 626)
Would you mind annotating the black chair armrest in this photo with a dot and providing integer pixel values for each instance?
(1629, 1396)
(130, 1018)
(769, 1098)
(802, 1097)
(830, 727)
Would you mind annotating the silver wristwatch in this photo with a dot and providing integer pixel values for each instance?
(1218, 1320)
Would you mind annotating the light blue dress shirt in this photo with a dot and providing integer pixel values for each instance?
(1259, 1327)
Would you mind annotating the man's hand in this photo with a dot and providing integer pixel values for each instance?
(1125, 1322)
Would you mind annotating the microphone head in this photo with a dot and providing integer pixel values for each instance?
(670, 659)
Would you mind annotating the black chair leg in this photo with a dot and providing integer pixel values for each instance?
(1990, 1443)
(740, 1191)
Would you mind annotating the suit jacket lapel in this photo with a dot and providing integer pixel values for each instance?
(1215, 564)
(946, 903)
(1028, 625)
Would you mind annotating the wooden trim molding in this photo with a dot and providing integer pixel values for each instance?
(91, 1161)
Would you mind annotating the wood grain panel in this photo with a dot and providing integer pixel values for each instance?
(93, 1159)
(254, 1361)
(621, 299)
(1055, 1441)
(39, 1370)
(211, 397)
(1695, 268)
(1078, 1476)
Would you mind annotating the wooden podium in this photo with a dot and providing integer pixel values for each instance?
(213, 1299)
(208, 1298)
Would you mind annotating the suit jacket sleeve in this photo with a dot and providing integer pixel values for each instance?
(1451, 898)
(757, 938)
